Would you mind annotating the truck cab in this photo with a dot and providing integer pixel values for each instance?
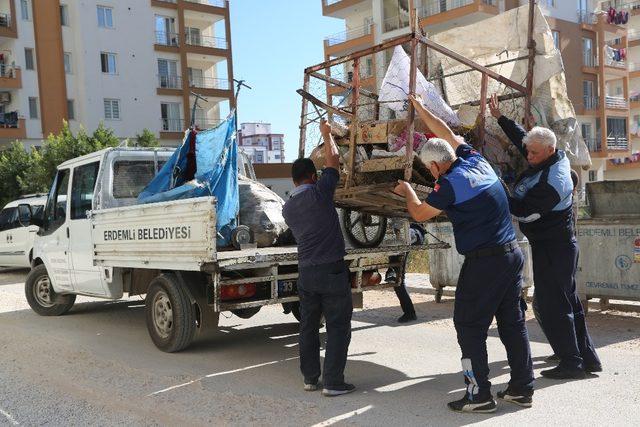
(16, 235)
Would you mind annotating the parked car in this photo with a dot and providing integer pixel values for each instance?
(16, 237)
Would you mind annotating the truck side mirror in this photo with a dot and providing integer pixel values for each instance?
(26, 217)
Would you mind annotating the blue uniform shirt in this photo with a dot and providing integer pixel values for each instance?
(311, 215)
(475, 202)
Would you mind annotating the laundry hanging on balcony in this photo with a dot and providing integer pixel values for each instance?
(395, 89)
(615, 55)
(617, 17)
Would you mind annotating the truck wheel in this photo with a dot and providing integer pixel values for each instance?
(40, 294)
(171, 318)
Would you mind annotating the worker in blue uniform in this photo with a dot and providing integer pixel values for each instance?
(490, 282)
(542, 203)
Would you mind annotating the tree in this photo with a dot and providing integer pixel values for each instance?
(147, 139)
(13, 162)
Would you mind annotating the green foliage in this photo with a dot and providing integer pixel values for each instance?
(23, 171)
(147, 139)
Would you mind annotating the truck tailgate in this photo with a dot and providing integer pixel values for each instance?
(180, 235)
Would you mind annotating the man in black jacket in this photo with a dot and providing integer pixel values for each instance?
(542, 203)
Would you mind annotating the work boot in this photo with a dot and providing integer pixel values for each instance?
(407, 317)
(338, 390)
(475, 405)
(560, 373)
(524, 399)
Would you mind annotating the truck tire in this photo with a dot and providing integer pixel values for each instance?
(171, 318)
(40, 294)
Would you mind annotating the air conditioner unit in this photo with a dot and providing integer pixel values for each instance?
(5, 97)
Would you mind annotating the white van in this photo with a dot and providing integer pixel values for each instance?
(16, 240)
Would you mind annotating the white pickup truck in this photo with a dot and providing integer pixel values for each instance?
(95, 240)
(16, 237)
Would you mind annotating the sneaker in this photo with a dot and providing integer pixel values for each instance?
(480, 406)
(590, 369)
(553, 358)
(407, 317)
(521, 399)
(560, 373)
(338, 390)
(311, 386)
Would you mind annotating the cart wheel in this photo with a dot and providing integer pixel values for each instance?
(364, 230)
(439, 293)
(241, 235)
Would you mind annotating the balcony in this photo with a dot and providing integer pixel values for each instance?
(167, 42)
(634, 101)
(216, 7)
(634, 69)
(209, 83)
(206, 45)
(174, 128)
(442, 14)
(587, 18)
(10, 77)
(12, 127)
(349, 40)
(616, 103)
(7, 27)
(631, 162)
(590, 104)
(593, 144)
(618, 143)
(215, 3)
(589, 64)
(340, 8)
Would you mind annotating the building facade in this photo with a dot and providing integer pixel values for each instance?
(601, 56)
(131, 65)
(260, 144)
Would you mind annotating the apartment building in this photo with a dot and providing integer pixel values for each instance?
(260, 144)
(603, 79)
(130, 65)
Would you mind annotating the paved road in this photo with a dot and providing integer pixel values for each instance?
(97, 366)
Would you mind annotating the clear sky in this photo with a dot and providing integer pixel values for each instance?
(273, 42)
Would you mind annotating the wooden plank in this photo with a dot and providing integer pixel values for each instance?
(412, 111)
(483, 111)
(372, 133)
(382, 164)
(303, 115)
(342, 84)
(531, 44)
(324, 105)
(439, 48)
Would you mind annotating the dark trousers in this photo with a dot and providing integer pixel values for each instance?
(491, 287)
(559, 309)
(401, 292)
(324, 290)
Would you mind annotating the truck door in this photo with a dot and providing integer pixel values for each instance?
(54, 242)
(10, 255)
(87, 278)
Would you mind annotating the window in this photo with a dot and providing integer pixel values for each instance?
(71, 111)
(130, 177)
(193, 36)
(82, 186)
(33, 108)
(111, 109)
(590, 103)
(593, 176)
(556, 39)
(9, 219)
(67, 62)
(105, 17)
(168, 73)
(588, 58)
(396, 12)
(56, 209)
(64, 15)
(165, 31)
(170, 114)
(28, 58)
(108, 62)
(24, 9)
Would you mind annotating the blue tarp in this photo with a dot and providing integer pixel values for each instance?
(216, 175)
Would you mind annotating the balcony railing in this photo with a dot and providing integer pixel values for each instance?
(169, 82)
(167, 39)
(617, 142)
(616, 102)
(434, 7)
(591, 102)
(589, 61)
(330, 2)
(617, 64)
(395, 23)
(585, 17)
(633, 35)
(352, 34)
(205, 41)
(8, 71)
(634, 66)
(593, 144)
(216, 3)
(5, 20)
(209, 83)
(180, 125)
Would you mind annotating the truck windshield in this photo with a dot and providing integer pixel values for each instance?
(130, 177)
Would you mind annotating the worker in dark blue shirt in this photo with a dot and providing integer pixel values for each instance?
(490, 282)
(542, 203)
(324, 285)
